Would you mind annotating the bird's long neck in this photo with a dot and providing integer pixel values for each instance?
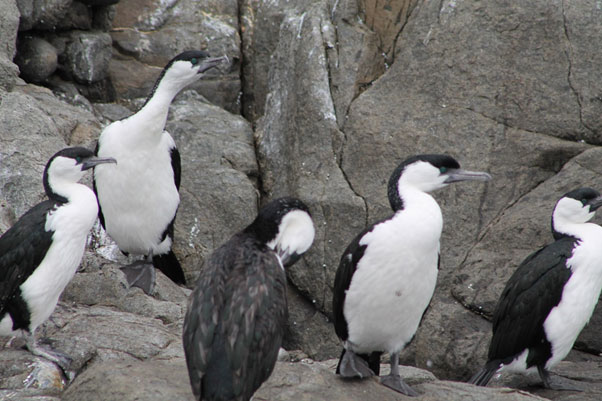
(420, 211)
(62, 190)
(412, 198)
(153, 115)
(562, 227)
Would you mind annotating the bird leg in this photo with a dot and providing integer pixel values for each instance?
(393, 380)
(551, 384)
(141, 274)
(353, 365)
(63, 361)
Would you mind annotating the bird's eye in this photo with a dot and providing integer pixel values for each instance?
(194, 60)
(443, 170)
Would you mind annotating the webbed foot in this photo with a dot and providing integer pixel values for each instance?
(395, 382)
(353, 365)
(141, 274)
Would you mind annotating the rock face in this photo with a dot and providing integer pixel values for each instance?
(9, 25)
(148, 33)
(320, 99)
(309, 381)
(37, 59)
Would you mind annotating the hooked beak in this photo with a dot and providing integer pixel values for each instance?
(464, 175)
(595, 203)
(211, 62)
(94, 161)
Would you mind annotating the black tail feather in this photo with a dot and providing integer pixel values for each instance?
(482, 377)
(338, 371)
(373, 360)
(169, 265)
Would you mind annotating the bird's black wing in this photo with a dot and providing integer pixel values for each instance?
(22, 249)
(168, 262)
(347, 266)
(101, 216)
(204, 311)
(529, 296)
(176, 166)
(257, 310)
(235, 321)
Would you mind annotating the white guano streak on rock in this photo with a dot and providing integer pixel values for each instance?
(301, 19)
(158, 16)
(89, 57)
(322, 90)
(194, 233)
(447, 8)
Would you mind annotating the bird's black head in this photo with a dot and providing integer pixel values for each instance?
(427, 173)
(68, 166)
(198, 59)
(184, 69)
(575, 207)
(284, 225)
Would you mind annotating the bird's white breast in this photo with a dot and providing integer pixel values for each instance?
(395, 279)
(71, 224)
(138, 196)
(580, 294)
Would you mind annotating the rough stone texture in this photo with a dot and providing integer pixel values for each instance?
(295, 146)
(20, 367)
(313, 381)
(78, 16)
(155, 381)
(354, 57)
(9, 24)
(309, 329)
(37, 59)
(107, 286)
(147, 40)
(260, 24)
(352, 50)
(387, 19)
(42, 14)
(103, 17)
(494, 70)
(87, 56)
(35, 125)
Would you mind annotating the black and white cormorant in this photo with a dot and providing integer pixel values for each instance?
(387, 274)
(237, 312)
(139, 199)
(551, 296)
(40, 253)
